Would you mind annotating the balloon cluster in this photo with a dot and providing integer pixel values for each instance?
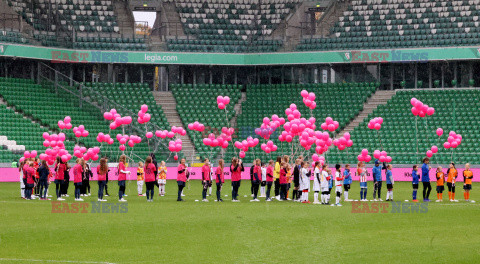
(432, 151)
(223, 101)
(65, 124)
(143, 116)
(420, 109)
(164, 134)
(292, 112)
(329, 125)
(454, 140)
(80, 131)
(54, 140)
(375, 123)
(117, 119)
(196, 126)
(104, 138)
(343, 142)
(82, 152)
(175, 146)
(363, 156)
(309, 99)
(245, 145)
(269, 147)
(269, 126)
(220, 141)
(28, 154)
(382, 156)
(316, 158)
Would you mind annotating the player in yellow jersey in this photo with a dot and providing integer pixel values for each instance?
(140, 179)
(162, 178)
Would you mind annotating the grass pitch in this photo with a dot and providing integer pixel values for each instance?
(167, 231)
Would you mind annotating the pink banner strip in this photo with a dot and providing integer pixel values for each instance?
(399, 174)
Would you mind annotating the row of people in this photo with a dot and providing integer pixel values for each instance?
(279, 174)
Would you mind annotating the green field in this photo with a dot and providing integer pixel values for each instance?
(167, 231)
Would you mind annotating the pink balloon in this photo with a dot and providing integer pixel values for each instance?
(226, 100)
(85, 133)
(123, 141)
(113, 126)
(413, 101)
(68, 126)
(207, 141)
(78, 134)
(61, 125)
(360, 158)
(64, 158)
(146, 118)
(311, 96)
(170, 134)
(434, 149)
(127, 120)
(221, 106)
(144, 108)
(190, 126)
(415, 111)
(364, 152)
(33, 154)
(446, 145)
(304, 93)
(149, 135)
(388, 159)
(376, 154)
(377, 126)
(368, 158)
(429, 153)
(242, 154)
(430, 111)
(108, 116)
(331, 127)
(439, 132)
(122, 147)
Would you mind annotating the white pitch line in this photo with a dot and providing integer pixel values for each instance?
(54, 261)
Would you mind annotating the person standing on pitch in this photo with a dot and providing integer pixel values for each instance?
(205, 179)
(43, 172)
(296, 180)
(102, 171)
(390, 182)
(264, 179)
(257, 177)
(346, 182)
(377, 178)
(467, 182)
(269, 180)
(181, 178)
(338, 184)
(305, 181)
(140, 179)
(440, 184)
(276, 175)
(219, 179)
(236, 169)
(317, 175)
(162, 178)
(150, 170)
(451, 179)
(77, 178)
(122, 177)
(427, 188)
(362, 173)
(415, 179)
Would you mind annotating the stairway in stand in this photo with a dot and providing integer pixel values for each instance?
(380, 97)
(168, 103)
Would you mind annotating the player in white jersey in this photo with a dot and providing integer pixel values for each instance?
(362, 172)
(212, 179)
(338, 184)
(264, 180)
(305, 181)
(324, 184)
(317, 175)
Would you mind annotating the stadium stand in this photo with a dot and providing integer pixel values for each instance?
(16, 128)
(131, 96)
(401, 24)
(47, 107)
(341, 101)
(455, 110)
(93, 21)
(199, 103)
(228, 26)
